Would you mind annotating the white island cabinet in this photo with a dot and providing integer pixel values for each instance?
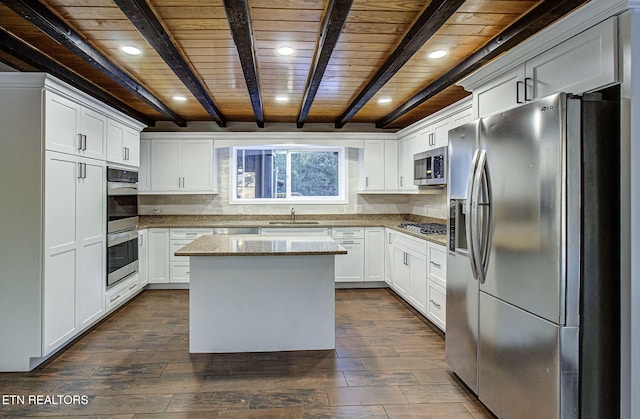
(257, 293)
(52, 158)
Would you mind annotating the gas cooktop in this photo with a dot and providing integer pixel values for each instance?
(426, 228)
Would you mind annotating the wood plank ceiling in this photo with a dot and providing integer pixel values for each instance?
(221, 55)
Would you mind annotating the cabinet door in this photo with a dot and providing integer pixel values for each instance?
(417, 281)
(115, 141)
(374, 160)
(62, 118)
(93, 126)
(460, 118)
(441, 134)
(197, 165)
(583, 63)
(350, 267)
(131, 144)
(145, 165)
(400, 272)
(91, 278)
(143, 258)
(158, 255)
(374, 269)
(502, 93)
(388, 257)
(165, 165)
(406, 149)
(61, 250)
(391, 165)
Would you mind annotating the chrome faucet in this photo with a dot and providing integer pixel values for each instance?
(293, 215)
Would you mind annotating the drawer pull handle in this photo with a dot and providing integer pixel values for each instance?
(437, 265)
(114, 298)
(435, 304)
(132, 286)
(348, 242)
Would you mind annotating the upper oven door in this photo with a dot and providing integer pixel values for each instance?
(122, 206)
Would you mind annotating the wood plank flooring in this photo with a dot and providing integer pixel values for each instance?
(388, 363)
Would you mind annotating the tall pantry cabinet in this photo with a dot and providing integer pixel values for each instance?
(53, 261)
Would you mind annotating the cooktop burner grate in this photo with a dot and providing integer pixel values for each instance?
(426, 228)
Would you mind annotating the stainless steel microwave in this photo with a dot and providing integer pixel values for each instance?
(430, 167)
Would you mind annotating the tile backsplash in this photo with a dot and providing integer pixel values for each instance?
(424, 205)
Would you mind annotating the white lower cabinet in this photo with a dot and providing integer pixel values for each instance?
(164, 266)
(158, 255)
(416, 270)
(437, 284)
(121, 292)
(389, 264)
(410, 276)
(436, 304)
(349, 267)
(143, 258)
(374, 254)
(75, 246)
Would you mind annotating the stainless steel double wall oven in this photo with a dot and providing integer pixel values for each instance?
(122, 224)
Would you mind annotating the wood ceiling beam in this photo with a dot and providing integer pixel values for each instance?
(430, 21)
(334, 20)
(537, 19)
(34, 58)
(147, 23)
(240, 23)
(45, 20)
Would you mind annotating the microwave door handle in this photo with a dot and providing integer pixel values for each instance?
(119, 238)
(469, 228)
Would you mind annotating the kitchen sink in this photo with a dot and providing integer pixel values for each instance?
(293, 222)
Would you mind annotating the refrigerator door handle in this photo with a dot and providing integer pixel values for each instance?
(475, 242)
(469, 224)
(487, 219)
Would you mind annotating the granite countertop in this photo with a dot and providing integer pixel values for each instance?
(259, 245)
(193, 221)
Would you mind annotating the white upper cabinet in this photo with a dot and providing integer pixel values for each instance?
(583, 63)
(144, 171)
(72, 128)
(123, 144)
(440, 134)
(179, 166)
(380, 162)
(407, 147)
(580, 64)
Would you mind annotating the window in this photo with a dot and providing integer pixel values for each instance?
(283, 174)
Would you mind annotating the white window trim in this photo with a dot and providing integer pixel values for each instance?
(343, 177)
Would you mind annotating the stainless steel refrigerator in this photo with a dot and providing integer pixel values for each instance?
(533, 258)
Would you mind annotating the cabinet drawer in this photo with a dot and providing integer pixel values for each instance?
(437, 266)
(121, 292)
(413, 243)
(190, 233)
(175, 245)
(436, 304)
(347, 233)
(179, 272)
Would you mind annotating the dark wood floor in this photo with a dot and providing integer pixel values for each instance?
(387, 364)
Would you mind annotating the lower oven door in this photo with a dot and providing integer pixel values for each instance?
(122, 255)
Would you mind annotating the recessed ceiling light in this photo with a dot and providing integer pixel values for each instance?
(285, 51)
(131, 50)
(282, 99)
(384, 100)
(439, 53)
(179, 98)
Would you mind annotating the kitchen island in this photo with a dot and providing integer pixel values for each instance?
(252, 293)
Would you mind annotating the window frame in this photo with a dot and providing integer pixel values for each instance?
(343, 179)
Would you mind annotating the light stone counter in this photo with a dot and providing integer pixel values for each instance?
(258, 245)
